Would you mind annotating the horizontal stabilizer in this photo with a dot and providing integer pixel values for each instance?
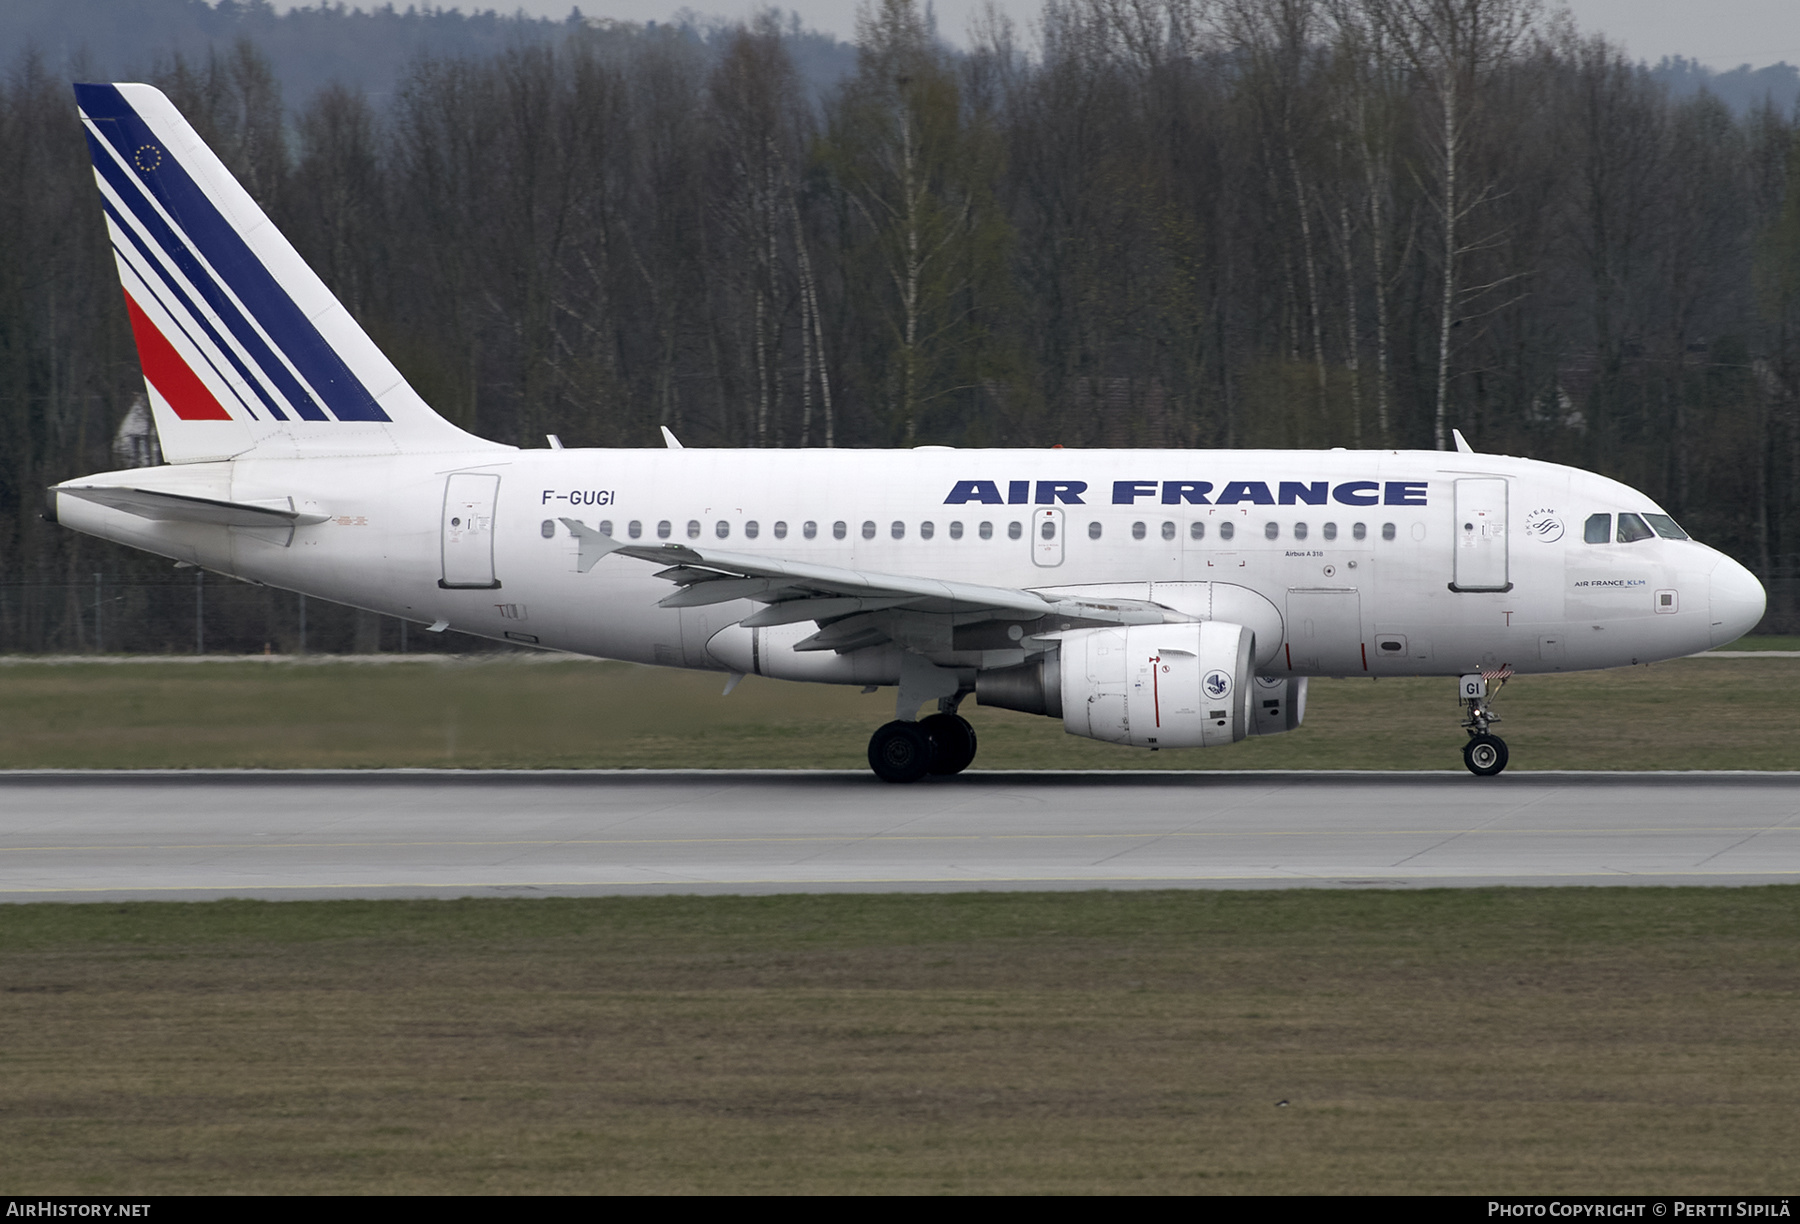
(178, 508)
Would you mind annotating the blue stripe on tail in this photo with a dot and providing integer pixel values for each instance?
(225, 250)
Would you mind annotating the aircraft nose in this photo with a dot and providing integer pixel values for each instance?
(1737, 602)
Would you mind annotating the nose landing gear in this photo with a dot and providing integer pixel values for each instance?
(1485, 754)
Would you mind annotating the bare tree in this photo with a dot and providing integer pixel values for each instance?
(1454, 47)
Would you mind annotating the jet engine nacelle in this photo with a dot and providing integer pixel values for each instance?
(1159, 686)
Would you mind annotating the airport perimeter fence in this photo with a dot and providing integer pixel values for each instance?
(1783, 586)
(194, 612)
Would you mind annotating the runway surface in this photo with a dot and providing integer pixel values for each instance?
(190, 836)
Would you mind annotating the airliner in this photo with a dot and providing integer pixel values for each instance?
(1147, 598)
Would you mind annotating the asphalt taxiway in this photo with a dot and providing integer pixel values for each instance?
(105, 836)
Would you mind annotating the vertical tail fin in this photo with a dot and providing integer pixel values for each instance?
(243, 347)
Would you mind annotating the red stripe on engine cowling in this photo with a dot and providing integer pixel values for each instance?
(164, 369)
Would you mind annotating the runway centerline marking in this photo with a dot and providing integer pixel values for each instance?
(1785, 825)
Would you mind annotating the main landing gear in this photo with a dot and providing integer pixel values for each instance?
(1485, 754)
(943, 743)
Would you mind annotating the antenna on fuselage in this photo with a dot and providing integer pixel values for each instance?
(669, 438)
(1462, 443)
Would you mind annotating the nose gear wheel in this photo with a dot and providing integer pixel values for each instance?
(1485, 755)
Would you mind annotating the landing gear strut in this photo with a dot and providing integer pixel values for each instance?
(943, 743)
(1484, 754)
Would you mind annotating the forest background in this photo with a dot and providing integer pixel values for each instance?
(1165, 223)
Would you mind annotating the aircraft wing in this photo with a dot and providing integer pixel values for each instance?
(795, 591)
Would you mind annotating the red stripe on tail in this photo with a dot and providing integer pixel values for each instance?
(169, 374)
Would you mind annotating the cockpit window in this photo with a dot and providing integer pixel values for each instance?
(1599, 529)
(1632, 528)
(1665, 527)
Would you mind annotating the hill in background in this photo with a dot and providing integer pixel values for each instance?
(310, 48)
(1743, 88)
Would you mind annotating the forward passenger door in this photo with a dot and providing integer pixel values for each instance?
(1480, 535)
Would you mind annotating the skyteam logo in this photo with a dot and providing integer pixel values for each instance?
(1194, 492)
(1545, 526)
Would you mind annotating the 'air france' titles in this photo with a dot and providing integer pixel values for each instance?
(1195, 493)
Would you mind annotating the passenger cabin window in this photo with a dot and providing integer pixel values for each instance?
(548, 530)
(897, 529)
(722, 529)
(693, 529)
(1359, 531)
(1299, 531)
(663, 529)
(1271, 531)
(751, 528)
(780, 530)
(1227, 529)
(809, 529)
(1168, 530)
(1599, 529)
(1329, 530)
(635, 530)
(1137, 531)
(927, 529)
(1093, 531)
(1196, 531)
(1014, 530)
(605, 527)
(1665, 527)
(987, 531)
(1048, 529)
(868, 529)
(1632, 529)
(1387, 531)
(839, 530)
(956, 529)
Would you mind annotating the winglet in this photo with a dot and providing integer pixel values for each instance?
(1462, 443)
(670, 438)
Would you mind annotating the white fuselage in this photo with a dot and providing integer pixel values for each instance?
(1357, 551)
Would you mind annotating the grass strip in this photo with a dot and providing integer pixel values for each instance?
(1485, 1040)
(1709, 713)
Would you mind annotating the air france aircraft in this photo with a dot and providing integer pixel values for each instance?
(1158, 599)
